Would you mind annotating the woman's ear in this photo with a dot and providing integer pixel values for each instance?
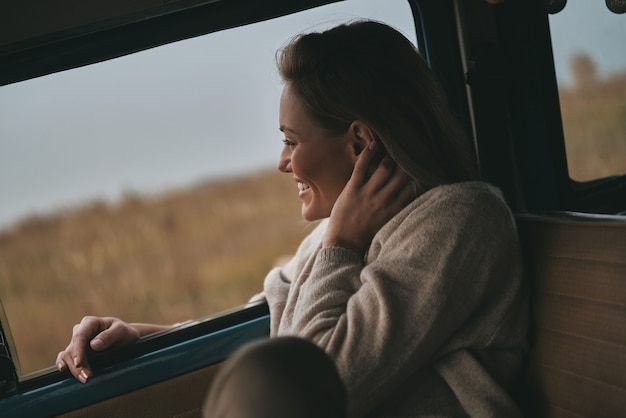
(360, 136)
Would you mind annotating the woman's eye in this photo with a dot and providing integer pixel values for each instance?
(288, 142)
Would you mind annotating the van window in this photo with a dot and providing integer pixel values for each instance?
(145, 187)
(591, 71)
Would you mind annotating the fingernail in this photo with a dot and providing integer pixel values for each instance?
(60, 366)
(97, 344)
(372, 145)
(83, 377)
(75, 361)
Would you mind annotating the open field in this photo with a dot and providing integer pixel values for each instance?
(162, 259)
(594, 125)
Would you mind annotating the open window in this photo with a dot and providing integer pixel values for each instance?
(591, 76)
(591, 73)
(144, 187)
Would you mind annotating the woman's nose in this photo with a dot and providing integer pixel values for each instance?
(284, 161)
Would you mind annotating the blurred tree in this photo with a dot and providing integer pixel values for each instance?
(584, 72)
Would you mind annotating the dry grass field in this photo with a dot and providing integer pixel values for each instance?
(196, 251)
(594, 125)
(163, 259)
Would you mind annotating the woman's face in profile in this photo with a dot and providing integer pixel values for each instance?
(320, 164)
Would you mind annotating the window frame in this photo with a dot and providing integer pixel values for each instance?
(154, 358)
(117, 36)
(518, 131)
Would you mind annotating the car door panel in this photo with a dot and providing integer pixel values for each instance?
(146, 371)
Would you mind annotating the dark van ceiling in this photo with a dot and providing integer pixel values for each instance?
(41, 37)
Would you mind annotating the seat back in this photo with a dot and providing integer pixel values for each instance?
(576, 267)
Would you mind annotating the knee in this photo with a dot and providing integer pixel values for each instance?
(286, 361)
(280, 371)
(288, 353)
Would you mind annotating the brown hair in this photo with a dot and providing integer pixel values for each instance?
(368, 71)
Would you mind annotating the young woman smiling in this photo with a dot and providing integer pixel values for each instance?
(411, 285)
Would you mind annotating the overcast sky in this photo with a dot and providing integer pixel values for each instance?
(194, 110)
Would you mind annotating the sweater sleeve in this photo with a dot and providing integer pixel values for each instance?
(436, 277)
(279, 282)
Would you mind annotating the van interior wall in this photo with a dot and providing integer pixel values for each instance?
(575, 267)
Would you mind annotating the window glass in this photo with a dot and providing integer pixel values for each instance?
(145, 187)
(591, 70)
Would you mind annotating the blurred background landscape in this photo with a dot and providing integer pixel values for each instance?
(593, 110)
(181, 255)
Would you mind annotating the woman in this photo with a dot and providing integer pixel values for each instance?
(412, 282)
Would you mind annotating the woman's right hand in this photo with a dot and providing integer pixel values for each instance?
(377, 190)
(97, 334)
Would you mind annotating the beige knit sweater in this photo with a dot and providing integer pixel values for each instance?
(431, 322)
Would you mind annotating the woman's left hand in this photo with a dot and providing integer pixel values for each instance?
(377, 190)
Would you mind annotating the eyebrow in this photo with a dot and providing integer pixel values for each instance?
(284, 128)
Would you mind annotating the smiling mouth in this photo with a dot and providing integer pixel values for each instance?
(302, 186)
